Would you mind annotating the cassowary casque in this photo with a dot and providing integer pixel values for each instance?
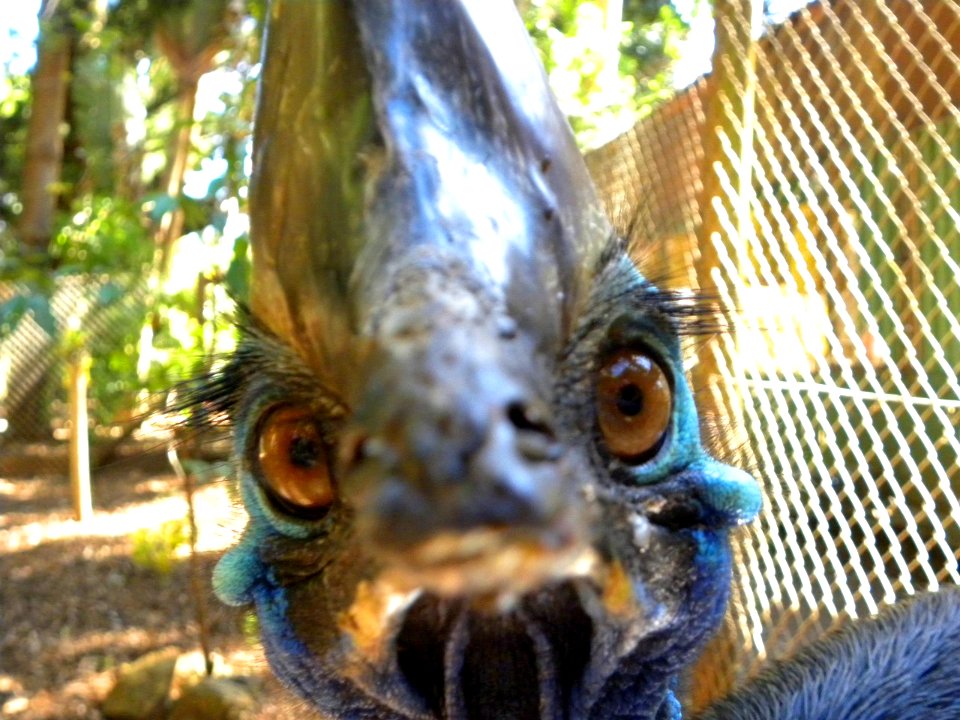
(469, 454)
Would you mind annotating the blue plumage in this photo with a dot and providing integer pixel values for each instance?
(901, 665)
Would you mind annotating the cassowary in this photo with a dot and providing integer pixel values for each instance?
(470, 457)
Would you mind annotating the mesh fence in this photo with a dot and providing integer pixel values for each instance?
(813, 183)
(34, 366)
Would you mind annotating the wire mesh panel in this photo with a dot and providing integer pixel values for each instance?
(827, 213)
(34, 364)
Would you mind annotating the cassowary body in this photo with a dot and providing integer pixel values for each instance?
(469, 453)
(900, 665)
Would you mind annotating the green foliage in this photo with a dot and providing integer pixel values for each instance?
(575, 41)
(653, 34)
(105, 241)
(152, 328)
(104, 234)
(237, 278)
(114, 381)
(36, 305)
(155, 549)
(14, 104)
(97, 96)
(652, 29)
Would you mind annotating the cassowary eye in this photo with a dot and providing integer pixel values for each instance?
(634, 405)
(293, 461)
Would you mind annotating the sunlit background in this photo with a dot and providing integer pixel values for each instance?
(828, 224)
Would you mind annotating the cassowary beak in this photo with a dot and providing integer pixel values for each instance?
(451, 228)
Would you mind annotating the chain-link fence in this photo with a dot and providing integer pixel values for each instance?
(813, 183)
(131, 343)
(101, 316)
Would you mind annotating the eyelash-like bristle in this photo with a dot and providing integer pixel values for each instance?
(210, 399)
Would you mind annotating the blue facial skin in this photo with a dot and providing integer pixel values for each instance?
(665, 522)
(241, 577)
(688, 502)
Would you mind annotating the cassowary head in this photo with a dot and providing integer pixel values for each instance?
(465, 441)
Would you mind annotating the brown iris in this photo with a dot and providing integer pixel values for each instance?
(294, 460)
(634, 404)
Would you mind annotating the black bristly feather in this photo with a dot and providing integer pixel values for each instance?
(692, 313)
(212, 398)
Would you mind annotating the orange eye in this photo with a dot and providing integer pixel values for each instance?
(293, 460)
(634, 404)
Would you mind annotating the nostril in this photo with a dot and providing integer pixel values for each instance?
(525, 419)
(535, 439)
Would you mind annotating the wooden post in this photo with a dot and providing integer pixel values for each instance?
(728, 123)
(43, 151)
(79, 377)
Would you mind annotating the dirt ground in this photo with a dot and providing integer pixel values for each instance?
(74, 604)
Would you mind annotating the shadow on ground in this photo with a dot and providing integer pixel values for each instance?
(74, 605)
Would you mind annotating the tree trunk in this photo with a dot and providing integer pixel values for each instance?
(44, 153)
(43, 165)
(171, 224)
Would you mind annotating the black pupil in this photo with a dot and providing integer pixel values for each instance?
(630, 400)
(304, 451)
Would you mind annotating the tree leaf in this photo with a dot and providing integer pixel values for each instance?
(159, 204)
(237, 278)
(39, 306)
(11, 311)
(109, 293)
